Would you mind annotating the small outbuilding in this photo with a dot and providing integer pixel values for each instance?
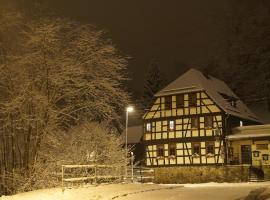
(250, 145)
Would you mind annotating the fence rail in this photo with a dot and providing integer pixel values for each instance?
(93, 173)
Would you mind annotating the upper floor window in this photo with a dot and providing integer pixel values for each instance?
(180, 101)
(172, 150)
(210, 147)
(148, 127)
(171, 125)
(208, 121)
(192, 99)
(196, 148)
(168, 102)
(194, 122)
(160, 150)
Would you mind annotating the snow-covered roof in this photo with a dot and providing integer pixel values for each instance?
(248, 132)
(194, 80)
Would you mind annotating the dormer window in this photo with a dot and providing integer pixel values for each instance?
(241, 123)
(229, 99)
(233, 103)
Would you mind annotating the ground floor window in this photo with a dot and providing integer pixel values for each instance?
(172, 150)
(160, 150)
(196, 148)
(210, 147)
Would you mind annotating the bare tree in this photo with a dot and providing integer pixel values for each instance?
(60, 74)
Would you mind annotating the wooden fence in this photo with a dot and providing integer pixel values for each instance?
(91, 174)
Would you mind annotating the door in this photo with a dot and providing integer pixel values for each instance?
(246, 154)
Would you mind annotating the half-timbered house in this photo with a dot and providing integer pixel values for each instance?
(190, 120)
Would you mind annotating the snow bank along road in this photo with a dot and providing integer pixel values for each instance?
(208, 191)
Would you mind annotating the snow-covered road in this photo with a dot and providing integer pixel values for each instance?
(208, 191)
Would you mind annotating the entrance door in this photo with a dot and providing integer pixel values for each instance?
(246, 154)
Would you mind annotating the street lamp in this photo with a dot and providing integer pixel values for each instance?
(128, 110)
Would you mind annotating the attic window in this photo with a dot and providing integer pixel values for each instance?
(233, 103)
(180, 101)
(168, 102)
(231, 100)
(192, 99)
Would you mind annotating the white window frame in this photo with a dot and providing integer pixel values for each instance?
(148, 127)
(171, 125)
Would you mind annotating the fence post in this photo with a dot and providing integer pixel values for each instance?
(63, 178)
(132, 173)
(95, 174)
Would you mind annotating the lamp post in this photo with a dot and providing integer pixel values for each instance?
(128, 110)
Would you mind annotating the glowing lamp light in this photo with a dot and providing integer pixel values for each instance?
(130, 109)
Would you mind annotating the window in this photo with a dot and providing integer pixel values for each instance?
(192, 99)
(230, 151)
(160, 150)
(148, 127)
(208, 121)
(194, 122)
(265, 157)
(172, 150)
(171, 125)
(180, 101)
(261, 146)
(168, 102)
(233, 103)
(196, 148)
(241, 123)
(210, 148)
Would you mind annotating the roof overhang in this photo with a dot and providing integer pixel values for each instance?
(247, 136)
(250, 132)
(178, 91)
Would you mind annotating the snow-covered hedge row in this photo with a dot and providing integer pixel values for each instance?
(201, 174)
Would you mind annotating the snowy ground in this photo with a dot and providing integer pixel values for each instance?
(208, 191)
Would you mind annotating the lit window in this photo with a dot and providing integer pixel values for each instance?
(192, 99)
(196, 148)
(171, 125)
(160, 150)
(180, 101)
(241, 123)
(210, 148)
(194, 122)
(148, 127)
(208, 121)
(172, 150)
(168, 102)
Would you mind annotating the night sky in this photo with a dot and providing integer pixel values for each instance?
(179, 34)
